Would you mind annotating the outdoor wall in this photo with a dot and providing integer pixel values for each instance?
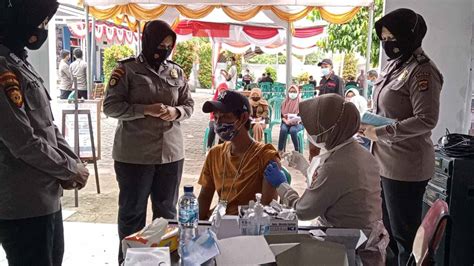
(449, 45)
(40, 61)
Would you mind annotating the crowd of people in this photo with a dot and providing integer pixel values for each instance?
(348, 185)
(68, 71)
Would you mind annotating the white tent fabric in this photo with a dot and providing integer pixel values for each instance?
(350, 3)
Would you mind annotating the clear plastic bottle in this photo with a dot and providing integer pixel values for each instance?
(188, 217)
(259, 221)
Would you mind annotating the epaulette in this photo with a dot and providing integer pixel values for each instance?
(421, 58)
(126, 60)
(174, 63)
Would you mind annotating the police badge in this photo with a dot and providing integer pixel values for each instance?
(174, 73)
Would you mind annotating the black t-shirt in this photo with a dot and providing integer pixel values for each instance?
(333, 84)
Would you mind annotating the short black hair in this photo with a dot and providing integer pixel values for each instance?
(233, 58)
(77, 53)
(373, 73)
(64, 54)
(310, 77)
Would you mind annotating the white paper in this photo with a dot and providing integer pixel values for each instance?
(148, 257)
(229, 227)
(244, 250)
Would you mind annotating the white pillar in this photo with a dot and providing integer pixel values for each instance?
(289, 46)
(53, 76)
(369, 45)
(139, 30)
(92, 60)
(88, 51)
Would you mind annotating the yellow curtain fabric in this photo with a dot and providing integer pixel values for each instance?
(290, 17)
(145, 14)
(241, 15)
(194, 14)
(338, 18)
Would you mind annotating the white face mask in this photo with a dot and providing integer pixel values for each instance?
(313, 138)
(293, 95)
(229, 63)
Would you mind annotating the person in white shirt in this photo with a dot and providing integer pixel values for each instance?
(65, 77)
(232, 73)
(79, 70)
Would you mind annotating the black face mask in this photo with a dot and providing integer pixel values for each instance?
(156, 62)
(41, 36)
(392, 49)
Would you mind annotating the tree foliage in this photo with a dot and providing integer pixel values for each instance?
(185, 55)
(205, 64)
(267, 59)
(350, 66)
(352, 36)
(112, 55)
(272, 71)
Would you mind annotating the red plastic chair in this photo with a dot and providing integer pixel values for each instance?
(429, 234)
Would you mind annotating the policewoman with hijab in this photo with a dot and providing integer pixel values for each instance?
(408, 90)
(150, 97)
(36, 162)
(344, 190)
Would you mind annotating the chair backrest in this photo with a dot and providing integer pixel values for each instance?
(287, 174)
(429, 234)
(275, 107)
(278, 89)
(307, 91)
(266, 88)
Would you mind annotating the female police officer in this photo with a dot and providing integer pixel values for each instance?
(407, 90)
(149, 96)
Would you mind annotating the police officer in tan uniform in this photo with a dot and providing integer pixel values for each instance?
(408, 90)
(35, 159)
(149, 96)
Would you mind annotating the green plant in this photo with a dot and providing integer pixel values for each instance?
(350, 66)
(352, 36)
(267, 59)
(184, 55)
(112, 55)
(303, 78)
(238, 60)
(314, 58)
(272, 71)
(205, 65)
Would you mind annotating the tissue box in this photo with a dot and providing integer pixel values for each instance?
(278, 226)
(169, 239)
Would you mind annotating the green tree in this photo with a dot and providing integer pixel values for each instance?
(267, 59)
(272, 71)
(352, 36)
(112, 55)
(313, 58)
(205, 65)
(185, 54)
(350, 66)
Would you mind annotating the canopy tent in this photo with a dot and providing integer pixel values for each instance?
(282, 12)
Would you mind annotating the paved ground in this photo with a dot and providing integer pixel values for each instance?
(102, 208)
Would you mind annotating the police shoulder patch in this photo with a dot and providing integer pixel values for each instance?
(9, 82)
(116, 75)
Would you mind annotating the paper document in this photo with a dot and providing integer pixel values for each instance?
(376, 120)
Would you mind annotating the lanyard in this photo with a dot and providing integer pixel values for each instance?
(239, 168)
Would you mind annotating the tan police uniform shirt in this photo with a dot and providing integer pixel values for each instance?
(141, 139)
(34, 156)
(345, 191)
(410, 94)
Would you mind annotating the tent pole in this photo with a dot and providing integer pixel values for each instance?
(369, 45)
(92, 59)
(289, 46)
(139, 30)
(88, 51)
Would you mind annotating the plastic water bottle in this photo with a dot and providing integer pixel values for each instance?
(188, 216)
(259, 221)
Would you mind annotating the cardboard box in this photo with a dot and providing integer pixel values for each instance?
(278, 226)
(170, 239)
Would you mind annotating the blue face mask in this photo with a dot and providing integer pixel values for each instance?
(370, 82)
(325, 71)
(226, 131)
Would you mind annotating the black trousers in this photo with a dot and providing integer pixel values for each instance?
(402, 210)
(33, 241)
(82, 94)
(139, 182)
(64, 94)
